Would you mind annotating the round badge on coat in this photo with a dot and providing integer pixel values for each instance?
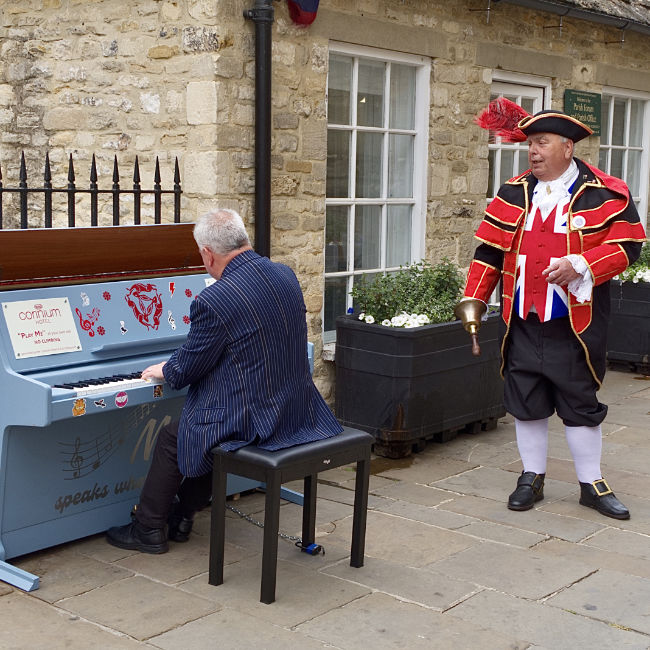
(578, 222)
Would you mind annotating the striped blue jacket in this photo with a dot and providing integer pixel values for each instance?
(245, 361)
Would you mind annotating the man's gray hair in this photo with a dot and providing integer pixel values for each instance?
(221, 230)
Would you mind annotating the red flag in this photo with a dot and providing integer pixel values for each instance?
(303, 12)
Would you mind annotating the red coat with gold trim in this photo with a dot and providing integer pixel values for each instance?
(609, 241)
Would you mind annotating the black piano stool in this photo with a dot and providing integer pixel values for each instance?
(275, 468)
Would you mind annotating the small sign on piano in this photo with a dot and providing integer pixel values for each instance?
(39, 328)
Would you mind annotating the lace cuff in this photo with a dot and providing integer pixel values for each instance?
(580, 287)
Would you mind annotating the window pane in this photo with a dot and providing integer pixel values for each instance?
(402, 97)
(604, 120)
(528, 104)
(336, 290)
(507, 162)
(370, 96)
(633, 176)
(339, 81)
(636, 123)
(400, 166)
(618, 127)
(336, 238)
(369, 159)
(523, 161)
(367, 237)
(338, 161)
(398, 235)
(616, 165)
(602, 160)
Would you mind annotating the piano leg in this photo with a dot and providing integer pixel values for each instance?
(17, 577)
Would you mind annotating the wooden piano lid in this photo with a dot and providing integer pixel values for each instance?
(60, 256)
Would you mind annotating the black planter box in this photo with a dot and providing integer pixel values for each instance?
(628, 339)
(406, 386)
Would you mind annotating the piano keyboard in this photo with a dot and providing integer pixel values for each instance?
(107, 384)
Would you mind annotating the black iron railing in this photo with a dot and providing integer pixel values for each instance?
(24, 191)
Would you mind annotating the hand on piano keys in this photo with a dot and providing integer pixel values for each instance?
(154, 372)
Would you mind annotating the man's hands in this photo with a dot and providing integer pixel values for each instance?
(560, 272)
(154, 372)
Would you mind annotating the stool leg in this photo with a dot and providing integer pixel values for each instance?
(362, 482)
(217, 524)
(309, 509)
(271, 527)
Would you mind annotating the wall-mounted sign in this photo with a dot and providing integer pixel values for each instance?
(583, 106)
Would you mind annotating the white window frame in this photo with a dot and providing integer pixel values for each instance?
(420, 130)
(644, 181)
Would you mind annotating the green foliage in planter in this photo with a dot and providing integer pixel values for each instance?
(418, 288)
(640, 270)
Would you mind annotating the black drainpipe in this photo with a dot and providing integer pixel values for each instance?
(262, 15)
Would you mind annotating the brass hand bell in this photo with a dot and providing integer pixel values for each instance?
(469, 312)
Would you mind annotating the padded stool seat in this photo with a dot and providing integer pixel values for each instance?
(275, 468)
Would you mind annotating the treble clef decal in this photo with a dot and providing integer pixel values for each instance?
(77, 459)
(88, 322)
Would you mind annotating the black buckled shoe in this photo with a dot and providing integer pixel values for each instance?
(530, 488)
(599, 495)
(136, 537)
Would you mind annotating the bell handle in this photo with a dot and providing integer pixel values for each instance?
(476, 348)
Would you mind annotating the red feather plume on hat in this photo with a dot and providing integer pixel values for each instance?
(502, 116)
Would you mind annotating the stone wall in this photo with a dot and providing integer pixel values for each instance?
(175, 79)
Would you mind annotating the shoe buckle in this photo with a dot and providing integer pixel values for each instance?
(537, 480)
(607, 489)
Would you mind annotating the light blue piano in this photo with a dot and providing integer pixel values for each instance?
(77, 425)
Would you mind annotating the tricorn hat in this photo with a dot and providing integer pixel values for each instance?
(550, 121)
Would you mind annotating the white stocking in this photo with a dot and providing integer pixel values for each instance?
(586, 445)
(532, 440)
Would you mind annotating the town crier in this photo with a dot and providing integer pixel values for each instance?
(555, 236)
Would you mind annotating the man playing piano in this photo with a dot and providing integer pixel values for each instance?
(245, 361)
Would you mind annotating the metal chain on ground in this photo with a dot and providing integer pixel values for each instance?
(259, 524)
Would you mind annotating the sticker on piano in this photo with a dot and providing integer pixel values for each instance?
(186, 319)
(146, 303)
(122, 328)
(100, 403)
(85, 300)
(170, 319)
(79, 407)
(121, 399)
(88, 322)
(40, 327)
(157, 391)
(172, 288)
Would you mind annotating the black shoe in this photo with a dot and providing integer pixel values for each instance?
(530, 488)
(135, 536)
(598, 495)
(179, 527)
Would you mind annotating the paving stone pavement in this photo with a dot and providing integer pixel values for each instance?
(447, 564)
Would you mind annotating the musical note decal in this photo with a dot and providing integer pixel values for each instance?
(84, 457)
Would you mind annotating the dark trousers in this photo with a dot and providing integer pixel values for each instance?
(164, 481)
(546, 371)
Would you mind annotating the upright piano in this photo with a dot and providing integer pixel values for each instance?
(84, 311)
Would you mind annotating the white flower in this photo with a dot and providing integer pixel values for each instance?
(362, 316)
(369, 319)
(386, 322)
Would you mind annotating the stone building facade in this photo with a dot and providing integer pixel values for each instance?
(175, 79)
